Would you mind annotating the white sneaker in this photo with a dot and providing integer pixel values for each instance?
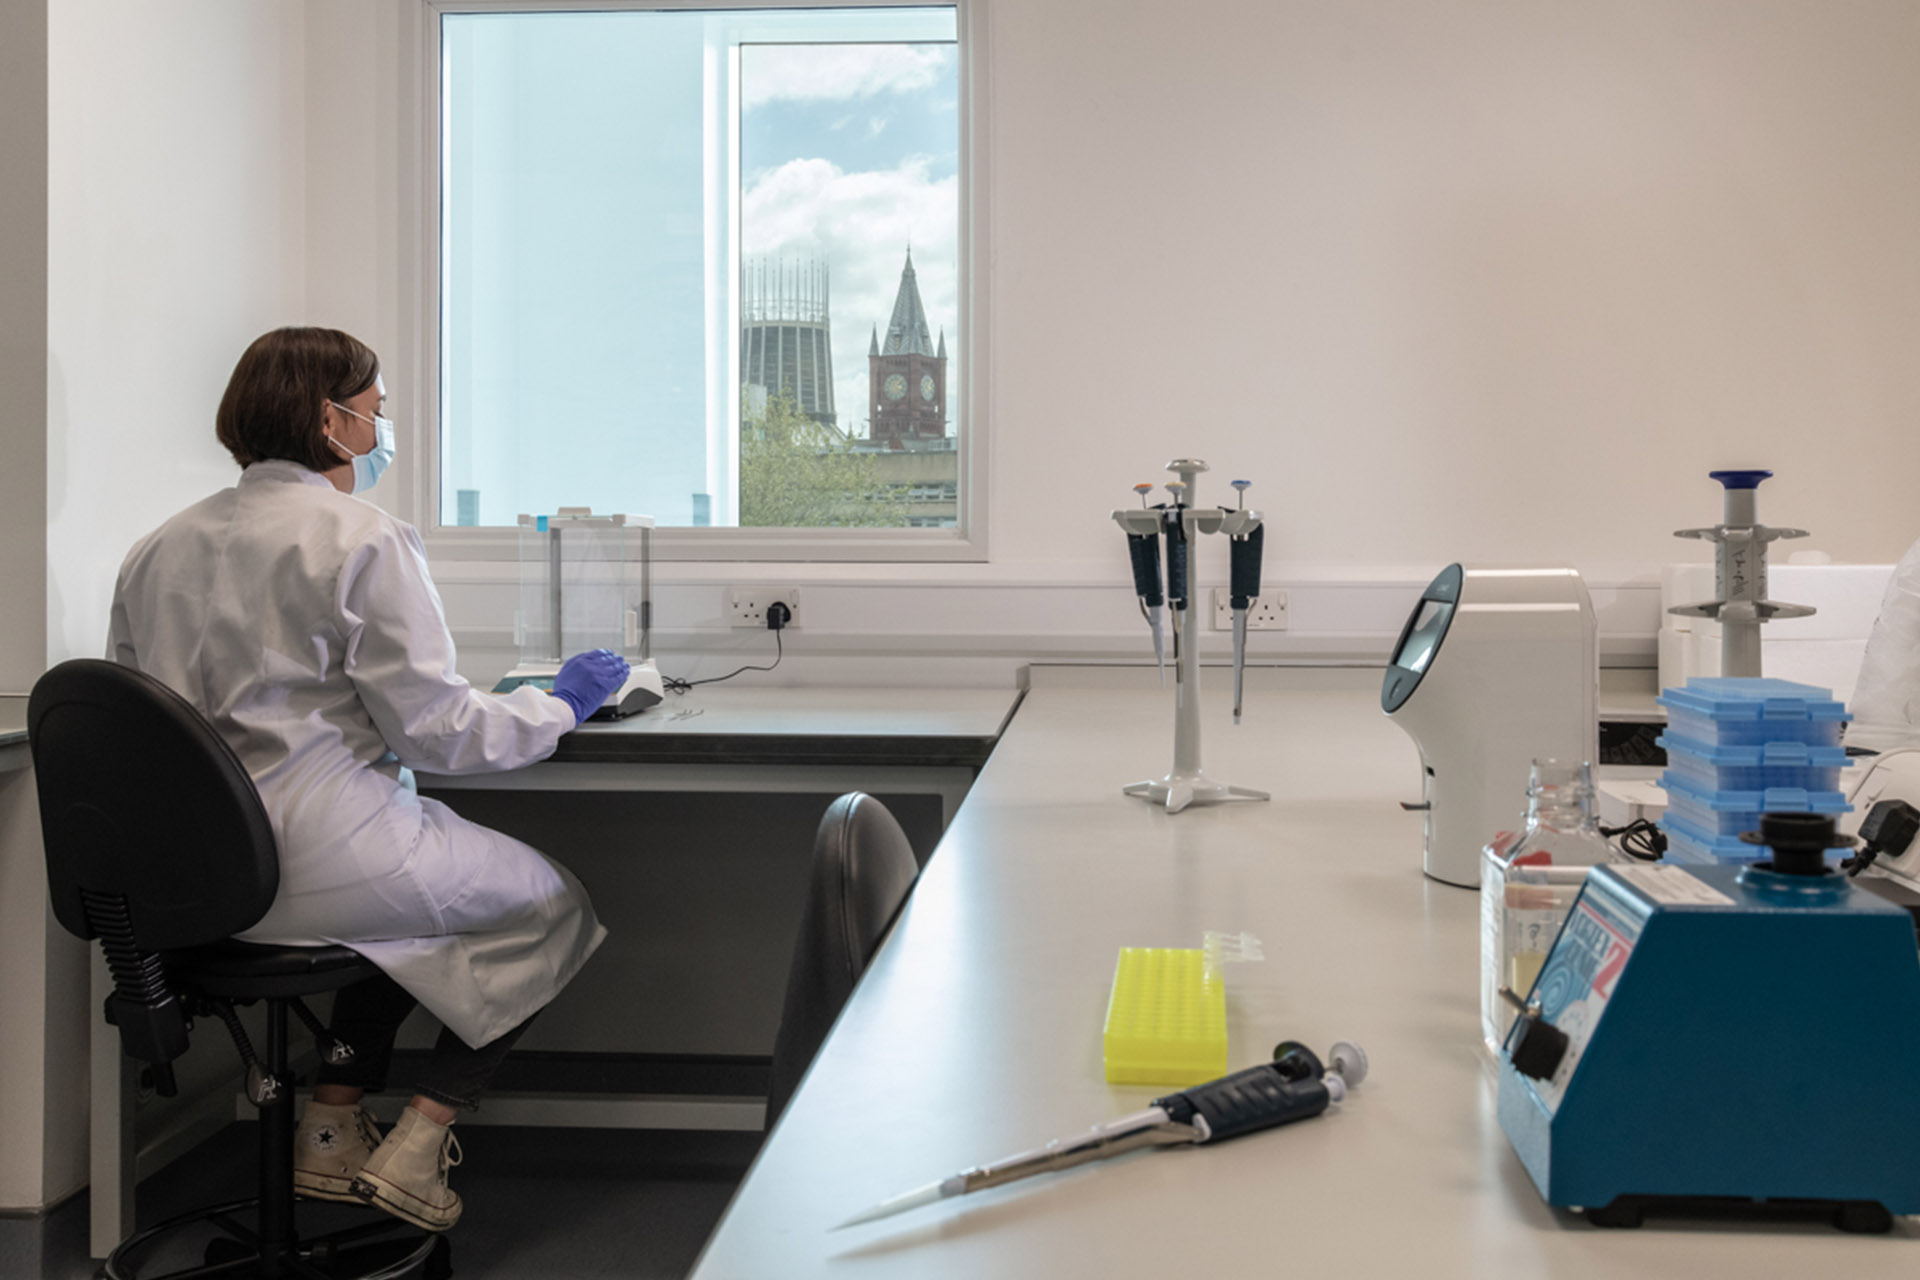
(407, 1175)
(329, 1149)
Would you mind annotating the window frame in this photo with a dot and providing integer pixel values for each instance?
(421, 314)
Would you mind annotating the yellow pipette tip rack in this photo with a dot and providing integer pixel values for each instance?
(1166, 1018)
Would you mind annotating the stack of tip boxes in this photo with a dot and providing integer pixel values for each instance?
(1740, 747)
(1166, 1018)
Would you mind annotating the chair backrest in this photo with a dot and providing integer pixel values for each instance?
(863, 870)
(155, 836)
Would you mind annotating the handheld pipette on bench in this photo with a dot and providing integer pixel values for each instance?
(1294, 1086)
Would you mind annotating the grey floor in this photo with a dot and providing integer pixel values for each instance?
(549, 1203)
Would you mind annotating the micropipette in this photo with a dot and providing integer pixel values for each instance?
(1144, 548)
(1294, 1086)
(1177, 581)
(1243, 563)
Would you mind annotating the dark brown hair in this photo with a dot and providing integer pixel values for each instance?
(274, 400)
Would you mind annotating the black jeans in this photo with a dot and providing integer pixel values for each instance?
(368, 1014)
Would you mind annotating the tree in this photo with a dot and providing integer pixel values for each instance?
(795, 473)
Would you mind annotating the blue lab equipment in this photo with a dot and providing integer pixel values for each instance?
(1671, 1052)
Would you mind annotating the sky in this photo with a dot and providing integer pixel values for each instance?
(851, 153)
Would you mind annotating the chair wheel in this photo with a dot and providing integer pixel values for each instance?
(439, 1263)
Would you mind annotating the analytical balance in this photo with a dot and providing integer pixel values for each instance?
(1719, 1037)
(577, 593)
(1496, 667)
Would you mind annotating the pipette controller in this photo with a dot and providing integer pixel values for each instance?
(1294, 1086)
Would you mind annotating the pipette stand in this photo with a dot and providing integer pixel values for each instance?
(1188, 783)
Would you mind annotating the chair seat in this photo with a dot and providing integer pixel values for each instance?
(236, 970)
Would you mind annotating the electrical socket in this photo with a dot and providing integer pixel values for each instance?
(748, 605)
(1268, 612)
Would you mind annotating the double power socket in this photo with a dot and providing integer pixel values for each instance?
(747, 606)
(1267, 612)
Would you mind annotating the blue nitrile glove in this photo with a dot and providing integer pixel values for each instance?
(587, 678)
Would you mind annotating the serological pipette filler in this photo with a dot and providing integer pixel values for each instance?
(1180, 522)
(1740, 574)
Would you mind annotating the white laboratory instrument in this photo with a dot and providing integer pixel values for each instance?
(1740, 574)
(1180, 522)
(577, 592)
(1495, 668)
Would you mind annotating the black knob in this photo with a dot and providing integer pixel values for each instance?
(1799, 842)
(1538, 1048)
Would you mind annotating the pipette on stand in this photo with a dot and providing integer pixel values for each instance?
(1177, 581)
(1144, 548)
(1243, 564)
(1294, 1086)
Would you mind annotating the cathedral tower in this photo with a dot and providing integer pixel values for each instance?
(784, 334)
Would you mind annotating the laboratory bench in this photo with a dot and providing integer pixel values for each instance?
(691, 825)
(976, 1033)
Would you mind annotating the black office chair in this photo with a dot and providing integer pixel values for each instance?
(157, 845)
(863, 870)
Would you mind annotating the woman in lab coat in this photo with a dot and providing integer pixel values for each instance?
(303, 623)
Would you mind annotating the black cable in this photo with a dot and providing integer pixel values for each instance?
(674, 684)
(1639, 839)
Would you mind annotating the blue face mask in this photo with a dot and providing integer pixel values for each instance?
(368, 467)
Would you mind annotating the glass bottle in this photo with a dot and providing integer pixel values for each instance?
(1528, 883)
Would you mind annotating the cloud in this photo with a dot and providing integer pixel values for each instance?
(839, 72)
(861, 223)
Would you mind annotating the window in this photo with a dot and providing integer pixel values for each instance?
(703, 266)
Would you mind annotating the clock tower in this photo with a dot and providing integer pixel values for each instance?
(907, 374)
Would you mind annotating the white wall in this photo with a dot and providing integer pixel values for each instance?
(156, 171)
(177, 187)
(1459, 278)
(1448, 279)
(25, 931)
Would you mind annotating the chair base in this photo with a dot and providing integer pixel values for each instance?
(351, 1253)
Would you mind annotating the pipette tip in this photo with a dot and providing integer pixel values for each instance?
(929, 1194)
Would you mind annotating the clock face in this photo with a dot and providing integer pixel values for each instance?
(895, 386)
(926, 386)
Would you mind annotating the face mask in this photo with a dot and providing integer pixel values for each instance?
(368, 467)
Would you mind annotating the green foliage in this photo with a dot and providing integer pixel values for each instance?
(797, 474)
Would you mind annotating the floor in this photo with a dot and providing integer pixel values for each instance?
(558, 1204)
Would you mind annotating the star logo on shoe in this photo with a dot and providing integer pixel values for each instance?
(324, 1138)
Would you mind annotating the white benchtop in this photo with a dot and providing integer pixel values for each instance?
(976, 1033)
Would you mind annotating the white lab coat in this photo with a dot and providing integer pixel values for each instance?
(302, 622)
